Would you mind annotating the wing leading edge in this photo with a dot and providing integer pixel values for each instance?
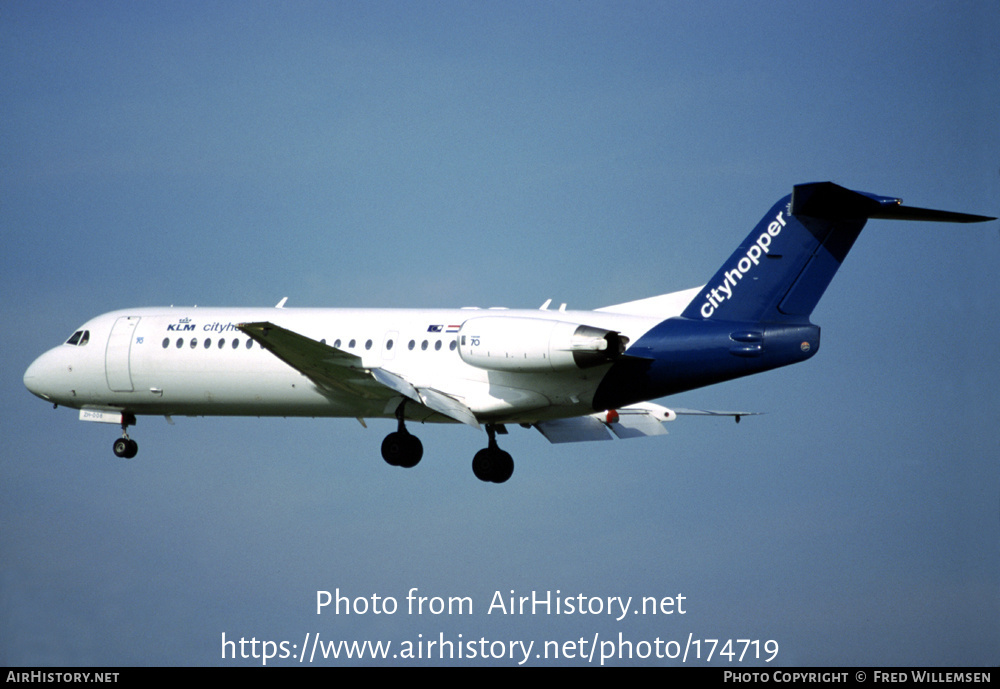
(333, 369)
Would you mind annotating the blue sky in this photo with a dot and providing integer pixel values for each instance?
(439, 154)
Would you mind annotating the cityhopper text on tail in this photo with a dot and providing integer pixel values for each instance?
(573, 375)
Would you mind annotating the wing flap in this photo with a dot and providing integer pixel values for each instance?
(440, 402)
(634, 421)
(447, 405)
(637, 424)
(573, 430)
(335, 369)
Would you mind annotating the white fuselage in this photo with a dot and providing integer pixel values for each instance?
(195, 361)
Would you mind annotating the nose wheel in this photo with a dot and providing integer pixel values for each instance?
(125, 447)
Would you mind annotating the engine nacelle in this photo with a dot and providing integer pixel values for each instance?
(536, 344)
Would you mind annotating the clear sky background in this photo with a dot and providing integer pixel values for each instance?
(440, 154)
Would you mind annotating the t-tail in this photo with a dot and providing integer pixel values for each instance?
(753, 315)
(783, 267)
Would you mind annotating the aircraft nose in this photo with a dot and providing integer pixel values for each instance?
(41, 378)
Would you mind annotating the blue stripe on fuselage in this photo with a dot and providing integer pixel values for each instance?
(683, 354)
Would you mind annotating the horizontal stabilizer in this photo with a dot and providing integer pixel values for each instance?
(911, 213)
(833, 202)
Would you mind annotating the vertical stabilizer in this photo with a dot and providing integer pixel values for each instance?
(784, 266)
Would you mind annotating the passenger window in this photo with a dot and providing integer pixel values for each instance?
(194, 342)
(423, 346)
(249, 344)
(350, 345)
(180, 342)
(453, 345)
(222, 342)
(437, 346)
(336, 343)
(236, 343)
(411, 345)
(208, 343)
(388, 345)
(166, 342)
(368, 344)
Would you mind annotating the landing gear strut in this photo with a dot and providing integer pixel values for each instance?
(125, 447)
(401, 449)
(492, 464)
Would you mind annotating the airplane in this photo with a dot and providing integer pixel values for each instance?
(572, 375)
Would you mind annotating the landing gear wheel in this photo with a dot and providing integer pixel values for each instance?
(481, 465)
(401, 449)
(493, 465)
(503, 467)
(414, 452)
(125, 448)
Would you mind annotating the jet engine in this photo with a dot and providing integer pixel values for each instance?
(536, 344)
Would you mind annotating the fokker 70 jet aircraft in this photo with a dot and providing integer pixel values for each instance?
(573, 375)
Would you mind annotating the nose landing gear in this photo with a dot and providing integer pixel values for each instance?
(125, 447)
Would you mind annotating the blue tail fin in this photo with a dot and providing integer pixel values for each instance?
(784, 266)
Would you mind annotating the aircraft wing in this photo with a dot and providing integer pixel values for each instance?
(440, 402)
(633, 421)
(334, 369)
(708, 412)
(330, 368)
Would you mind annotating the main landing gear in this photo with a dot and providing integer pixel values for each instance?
(125, 447)
(402, 449)
(491, 464)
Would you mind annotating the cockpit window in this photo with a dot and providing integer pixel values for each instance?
(79, 338)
